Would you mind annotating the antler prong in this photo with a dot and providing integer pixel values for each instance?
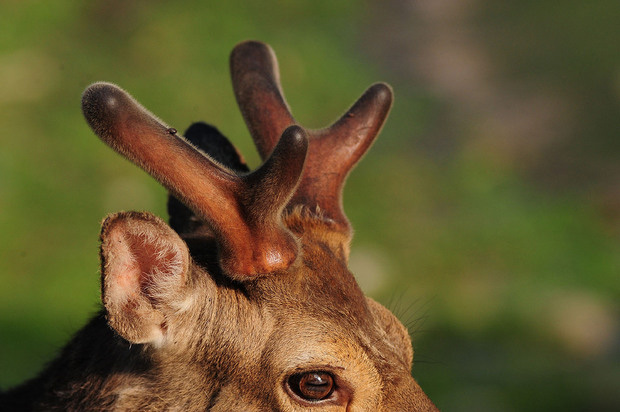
(333, 151)
(248, 227)
(256, 81)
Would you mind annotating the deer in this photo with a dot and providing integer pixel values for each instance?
(244, 301)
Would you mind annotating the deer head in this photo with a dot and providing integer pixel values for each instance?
(246, 302)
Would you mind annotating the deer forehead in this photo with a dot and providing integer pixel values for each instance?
(296, 344)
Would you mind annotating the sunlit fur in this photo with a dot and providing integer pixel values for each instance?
(233, 347)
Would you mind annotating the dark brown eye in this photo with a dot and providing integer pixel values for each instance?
(312, 386)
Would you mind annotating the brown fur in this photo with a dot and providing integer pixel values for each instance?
(234, 345)
(182, 331)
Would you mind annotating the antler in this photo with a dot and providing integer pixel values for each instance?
(332, 152)
(244, 211)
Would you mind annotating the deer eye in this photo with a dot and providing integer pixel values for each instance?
(312, 386)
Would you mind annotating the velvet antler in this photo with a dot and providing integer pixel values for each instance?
(244, 211)
(332, 152)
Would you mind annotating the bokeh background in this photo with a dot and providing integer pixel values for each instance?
(487, 214)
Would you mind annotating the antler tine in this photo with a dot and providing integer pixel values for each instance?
(251, 237)
(256, 82)
(333, 151)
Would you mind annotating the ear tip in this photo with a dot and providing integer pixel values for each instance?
(135, 217)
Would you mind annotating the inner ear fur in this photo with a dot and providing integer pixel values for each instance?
(396, 332)
(144, 271)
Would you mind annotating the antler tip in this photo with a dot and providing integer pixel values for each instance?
(250, 46)
(101, 102)
(382, 93)
(296, 137)
(101, 93)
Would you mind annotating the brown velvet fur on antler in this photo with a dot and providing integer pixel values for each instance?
(332, 151)
(242, 210)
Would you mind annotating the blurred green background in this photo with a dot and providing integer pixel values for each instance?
(487, 214)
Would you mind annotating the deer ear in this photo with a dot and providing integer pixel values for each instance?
(144, 271)
(396, 332)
